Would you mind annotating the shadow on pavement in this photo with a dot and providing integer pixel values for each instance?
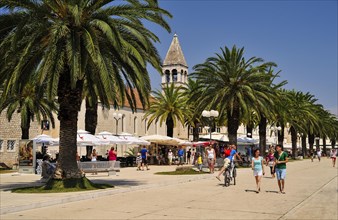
(119, 182)
(250, 190)
(271, 191)
(10, 186)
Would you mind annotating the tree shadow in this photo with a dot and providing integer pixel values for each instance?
(122, 183)
(10, 186)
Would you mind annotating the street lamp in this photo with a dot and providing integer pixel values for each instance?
(212, 114)
(117, 117)
(275, 130)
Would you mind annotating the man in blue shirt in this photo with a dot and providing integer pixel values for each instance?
(180, 155)
(144, 155)
(228, 160)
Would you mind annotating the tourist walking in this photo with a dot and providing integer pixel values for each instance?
(93, 156)
(188, 156)
(180, 155)
(311, 155)
(281, 158)
(333, 155)
(319, 154)
(138, 161)
(144, 155)
(211, 155)
(199, 161)
(258, 169)
(112, 155)
(270, 161)
(170, 157)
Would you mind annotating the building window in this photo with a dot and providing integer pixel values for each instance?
(1, 145)
(218, 130)
(167, 76)
(174, 75)
(135, 125)
(191, 130)
(10, 145)
(122, 123)
(200, 130)
(145, 126)
(44, 125)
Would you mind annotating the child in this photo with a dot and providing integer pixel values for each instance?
(138, 161)
(199, 161)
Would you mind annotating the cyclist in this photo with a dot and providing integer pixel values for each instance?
(230, 154)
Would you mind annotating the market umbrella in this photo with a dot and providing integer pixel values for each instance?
(160, 139)
(44, 139)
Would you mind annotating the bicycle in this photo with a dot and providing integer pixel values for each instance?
(227, 176)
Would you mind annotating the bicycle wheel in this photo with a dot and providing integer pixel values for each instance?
(227, 178)
(234, 174)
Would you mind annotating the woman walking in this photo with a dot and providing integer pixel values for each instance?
(333, 156)
(211, 155)
(270, 160)
(170, 157)
(258, 169)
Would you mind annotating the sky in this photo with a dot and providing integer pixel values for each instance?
(299, 36)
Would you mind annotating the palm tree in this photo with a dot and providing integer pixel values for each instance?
(65, 43)
(301, 115)
(30, 103)
(232, 85)
(168, 106)
(192, 92)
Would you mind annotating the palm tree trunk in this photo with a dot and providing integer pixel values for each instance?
(333, 143)
(304, 150)
(170, 127)
(317, 144)
(324, 145)
(90, 121)
(233, 124)
(281, 135)
(25, 125)
(195, 131)
(311, 141)
(293, 141)
(262, 135)
(249, 129)
(69, 104)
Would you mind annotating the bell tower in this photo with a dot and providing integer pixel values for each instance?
(174, 67)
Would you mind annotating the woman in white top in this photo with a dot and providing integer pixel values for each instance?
(170, 157)
(94, 155)
(211, 155)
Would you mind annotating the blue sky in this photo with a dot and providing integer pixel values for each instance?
(300, 36)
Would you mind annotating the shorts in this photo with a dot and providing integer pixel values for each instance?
(226, 162)
(181, 159)
(333, 158)
(144, 161)
(280, 173)
(258, 173)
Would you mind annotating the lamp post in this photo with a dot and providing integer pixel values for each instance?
(212, 114)
(275, 130)
(117, 117)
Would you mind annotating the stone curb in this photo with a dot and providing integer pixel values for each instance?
(97, 194)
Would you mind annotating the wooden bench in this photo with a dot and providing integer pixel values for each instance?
(100, 166)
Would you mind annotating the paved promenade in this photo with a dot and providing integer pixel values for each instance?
(311, 193)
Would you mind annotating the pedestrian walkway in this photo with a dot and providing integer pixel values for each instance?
(311, 193)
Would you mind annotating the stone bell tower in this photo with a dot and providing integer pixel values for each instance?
(174, 67)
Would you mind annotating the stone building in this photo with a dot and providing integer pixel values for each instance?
(174, 69)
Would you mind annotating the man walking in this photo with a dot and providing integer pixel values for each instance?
(144, 155)
(180, 155)
(281, 158)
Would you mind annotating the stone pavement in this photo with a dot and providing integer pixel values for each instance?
(311, 193)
